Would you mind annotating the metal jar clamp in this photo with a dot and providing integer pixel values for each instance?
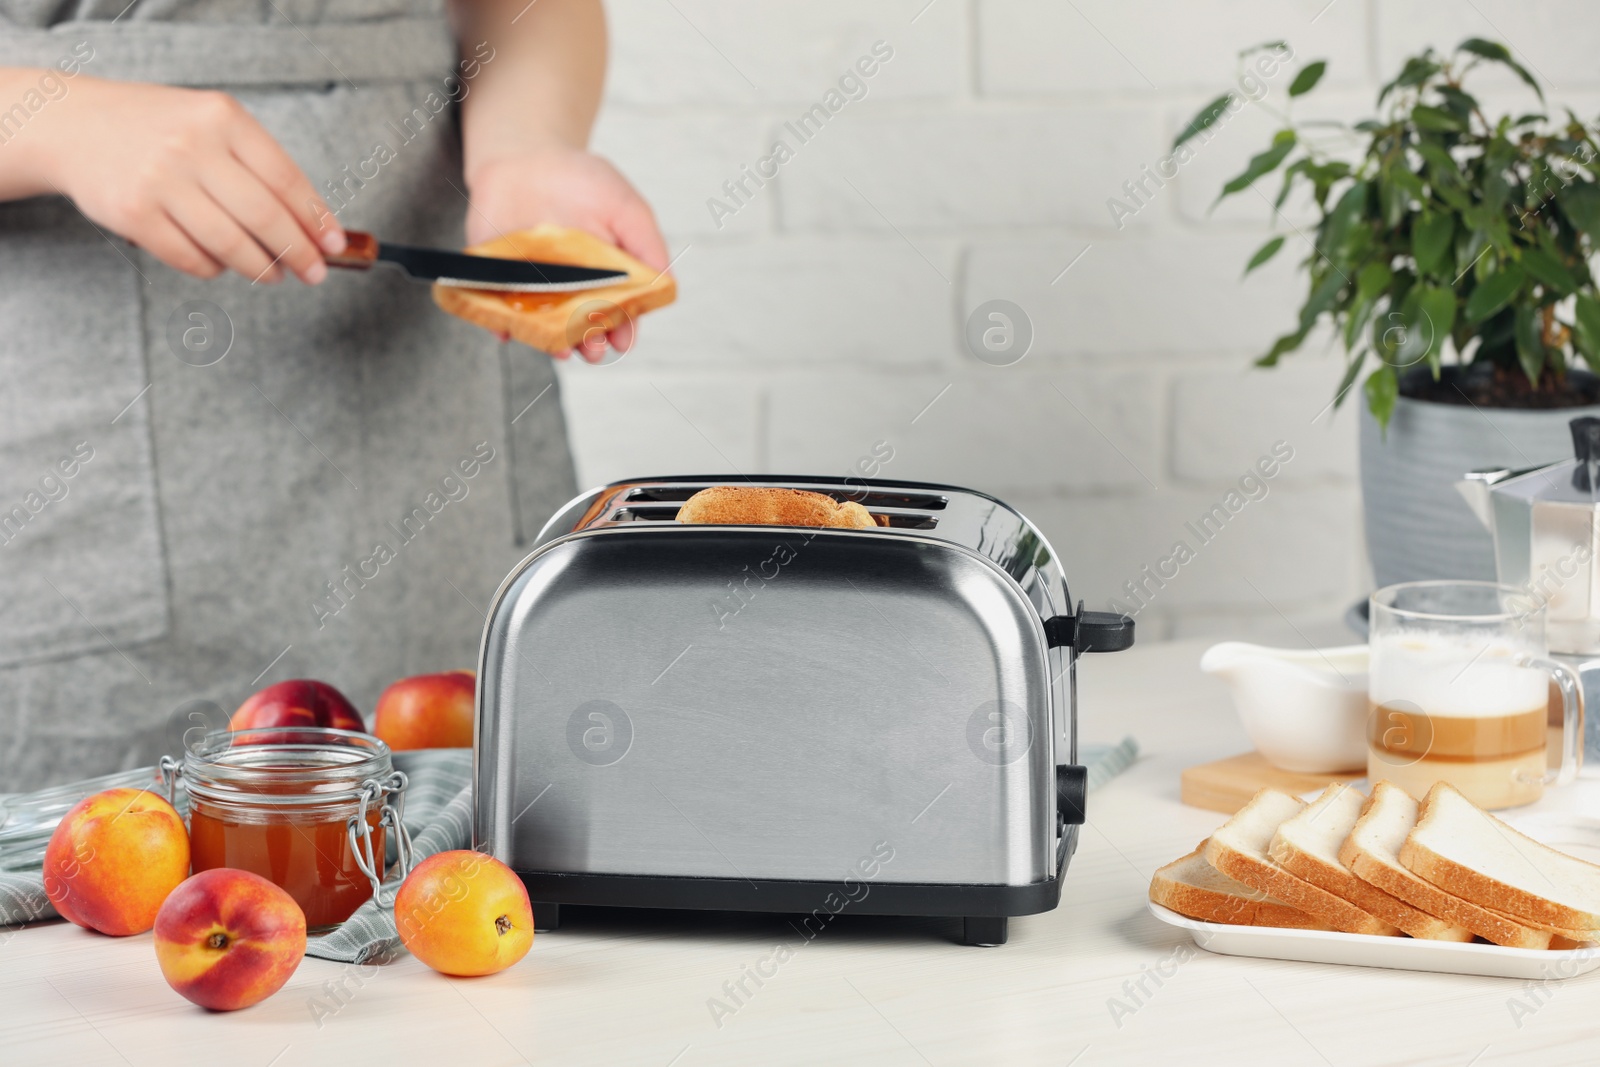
(390, 794)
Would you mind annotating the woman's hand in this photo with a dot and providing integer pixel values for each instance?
(569, 187)
(189, 176)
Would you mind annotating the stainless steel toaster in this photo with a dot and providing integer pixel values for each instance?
(786, 719)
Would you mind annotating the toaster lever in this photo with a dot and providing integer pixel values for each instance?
(1090, 631)
(1072, 793)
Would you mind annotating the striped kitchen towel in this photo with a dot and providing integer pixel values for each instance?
(1105, 762)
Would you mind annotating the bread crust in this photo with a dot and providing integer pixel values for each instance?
(1428, 897)
(556, 322)
(759, 505)
(1337, 912)
(1577, 937)
(1210, 906)
(1488, 892)
(1367, 897)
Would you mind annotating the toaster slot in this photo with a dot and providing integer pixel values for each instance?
(664, 494)
(898, 511)
(872, 499)
(645, 513)
(904, 520)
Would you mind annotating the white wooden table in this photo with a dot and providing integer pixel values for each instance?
(632, 987)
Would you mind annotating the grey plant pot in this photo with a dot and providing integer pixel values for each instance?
(1418, 526)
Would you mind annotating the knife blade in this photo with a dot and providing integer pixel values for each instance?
(466, 271)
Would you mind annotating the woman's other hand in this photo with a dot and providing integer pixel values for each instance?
(568, 187)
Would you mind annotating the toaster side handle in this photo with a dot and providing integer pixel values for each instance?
(1090, 631)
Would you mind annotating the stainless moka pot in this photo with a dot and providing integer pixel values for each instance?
(787, 719)
(1546, 540)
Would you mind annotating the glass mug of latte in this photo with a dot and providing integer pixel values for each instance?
(1460, 691)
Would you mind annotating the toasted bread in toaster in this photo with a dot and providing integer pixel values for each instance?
(556, 322)
(1191, 886)
(1307, 845)
(1239, 850)
(758, 505)
(1372, 851)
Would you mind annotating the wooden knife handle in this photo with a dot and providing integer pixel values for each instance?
(360, 251)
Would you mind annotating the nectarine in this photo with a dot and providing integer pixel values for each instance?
(113, 859)
(427, 711)
(464, 913)
(298, 702)
(228, 939)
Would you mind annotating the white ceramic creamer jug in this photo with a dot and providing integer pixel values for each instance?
(1304, 709)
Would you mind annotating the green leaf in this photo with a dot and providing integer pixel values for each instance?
(1407, 340)
(1264, 253)
(1461, 104)
(1432, 118)
(1586, 329)
(1397, 188)
(1322, 298)
(1287, 343)
(1323, 176)
(1408, 181)
(1417, 331)
(1349, 379)
(1373, 279)
(1297, 167)
(1494, 293)
(1548, 270)
(1417, 70)
(1337, 224)
(1441, 164)
(1383, 389)
(1499, 53)
(1308, 77)
(1204, 120)
(1431, 234)
(1436, 310)
(1530, 345)
(1262, 163)
(1581, 201)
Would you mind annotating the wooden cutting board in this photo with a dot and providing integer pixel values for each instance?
(1226, 785)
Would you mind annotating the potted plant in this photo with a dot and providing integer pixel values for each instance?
(1452, 258)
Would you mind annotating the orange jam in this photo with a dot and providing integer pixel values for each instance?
(280, 803)
(310, 860)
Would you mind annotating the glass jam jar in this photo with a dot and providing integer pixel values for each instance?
(307, 808)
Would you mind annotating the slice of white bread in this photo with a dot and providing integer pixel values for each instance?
(1372, 851)
(1468, 852)
(1239, 850)
(556, 322)
(1191, 886)
(1307, 845)
(1559, 936)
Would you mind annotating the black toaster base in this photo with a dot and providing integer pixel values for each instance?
(984, 909)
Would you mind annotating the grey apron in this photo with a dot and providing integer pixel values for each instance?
(197, 500)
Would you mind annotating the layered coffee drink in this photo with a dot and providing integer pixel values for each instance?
(1458, 710)
(1461, 691)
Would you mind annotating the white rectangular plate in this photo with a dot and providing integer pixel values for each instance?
(1365, 950)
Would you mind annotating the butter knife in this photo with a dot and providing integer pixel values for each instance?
(469, 271)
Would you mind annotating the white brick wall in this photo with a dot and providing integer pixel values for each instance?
(827, 313)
